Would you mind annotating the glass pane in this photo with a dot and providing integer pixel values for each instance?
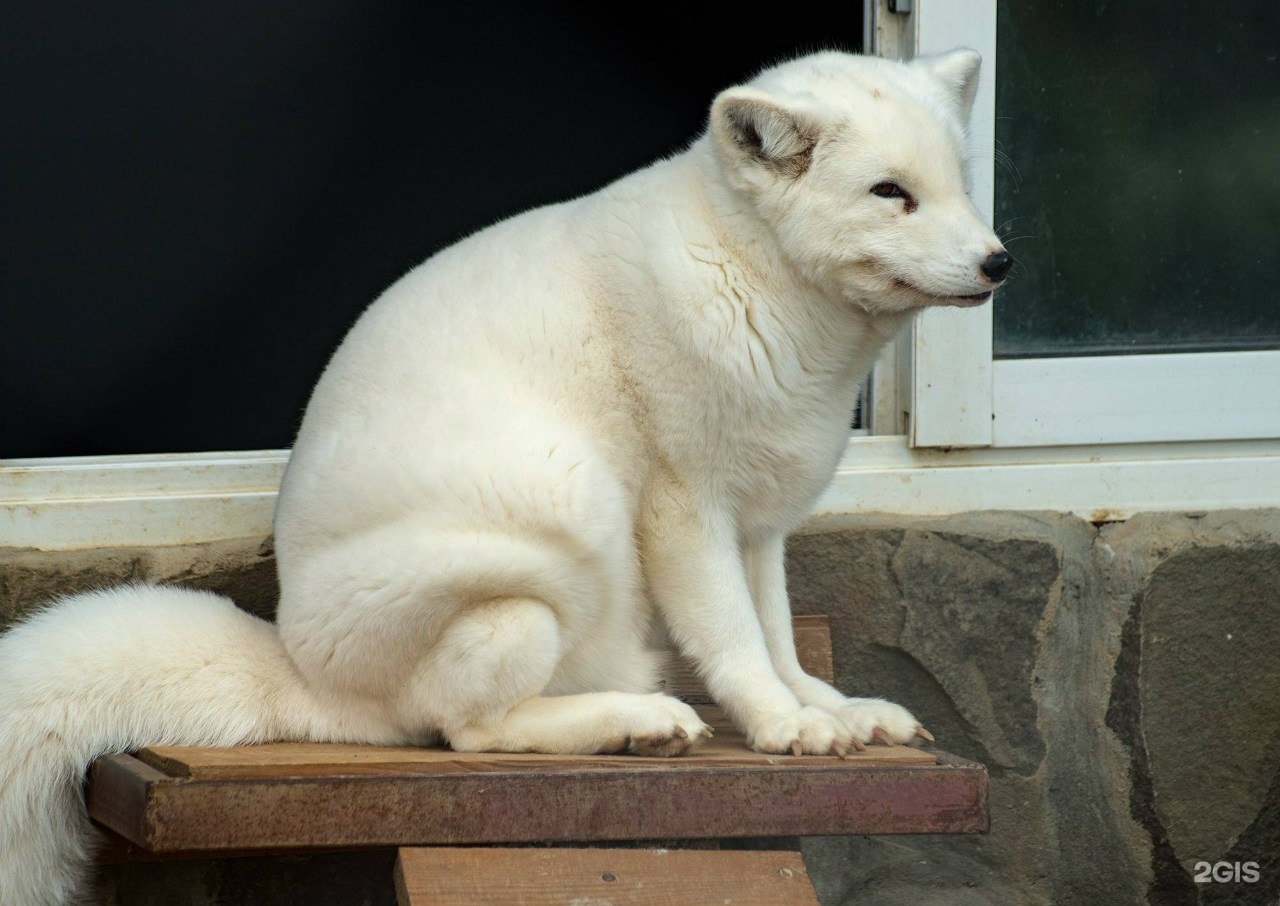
(1138, 176)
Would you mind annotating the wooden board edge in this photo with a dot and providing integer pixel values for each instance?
(947, 760)
(812, 634)
(402, 885)
(982, 780)
(167, 765)
(118, 796)
(215, 815)
(502, 874)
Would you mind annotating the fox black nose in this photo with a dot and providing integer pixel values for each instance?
(996, 265)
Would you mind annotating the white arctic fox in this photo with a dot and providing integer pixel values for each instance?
(579, 420)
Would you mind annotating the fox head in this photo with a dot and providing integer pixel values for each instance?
(857, 165)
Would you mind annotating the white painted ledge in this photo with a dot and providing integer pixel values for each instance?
(123, 501)
(83, 502)
(1100, 483)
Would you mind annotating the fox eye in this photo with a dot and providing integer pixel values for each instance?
(893, 190)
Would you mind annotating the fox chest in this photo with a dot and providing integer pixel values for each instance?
(770, 470)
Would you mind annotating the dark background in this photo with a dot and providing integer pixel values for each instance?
(199, 198)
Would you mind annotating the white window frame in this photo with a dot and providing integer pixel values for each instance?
(951, 429)
(960, 397)
(944, 390)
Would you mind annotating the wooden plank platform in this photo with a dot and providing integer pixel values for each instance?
(287, 796)
(619, 877)
(284, 797)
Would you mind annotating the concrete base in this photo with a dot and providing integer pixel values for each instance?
(1118, 681)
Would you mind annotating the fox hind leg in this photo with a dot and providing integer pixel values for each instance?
(483, 684)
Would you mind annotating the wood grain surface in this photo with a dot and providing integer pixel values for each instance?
(600, 877)
(299, 759)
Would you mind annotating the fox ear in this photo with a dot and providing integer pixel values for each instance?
(958, 73)
(754, 130)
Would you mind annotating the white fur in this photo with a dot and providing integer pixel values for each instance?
(583, 418)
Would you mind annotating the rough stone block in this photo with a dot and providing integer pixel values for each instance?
(244, 569)
(30, 578)
(1196, 698)
(971, 621)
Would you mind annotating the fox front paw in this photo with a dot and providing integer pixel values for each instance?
(807, 731)
(874, 720)
(665, 726)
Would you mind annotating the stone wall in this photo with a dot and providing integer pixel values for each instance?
(1121, 683)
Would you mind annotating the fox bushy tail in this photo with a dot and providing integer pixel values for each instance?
(112, 671)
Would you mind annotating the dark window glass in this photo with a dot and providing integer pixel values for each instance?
(1138, 176)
